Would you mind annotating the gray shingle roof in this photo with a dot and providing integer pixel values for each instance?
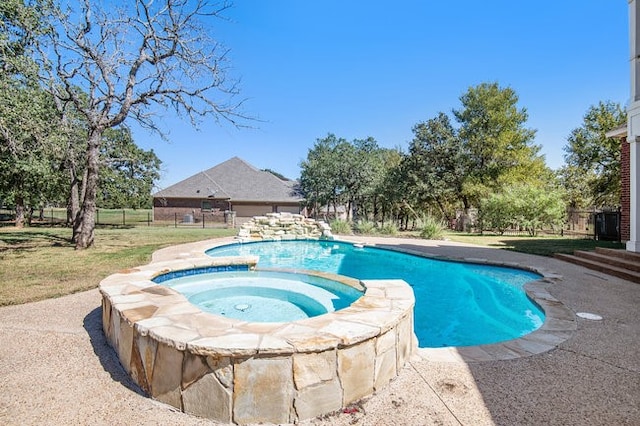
(234, 179)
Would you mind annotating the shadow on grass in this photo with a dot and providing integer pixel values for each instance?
(551, 246)
(17, 240)
(108, 358)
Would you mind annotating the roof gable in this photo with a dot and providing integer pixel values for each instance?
(234, 179)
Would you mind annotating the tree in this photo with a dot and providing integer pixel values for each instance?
(592, 159)
(319, 174)
(523, 206)
(359, 171)
(120, 62)
(451, 167)
(128, 173)
(29, 130)
(498, 147)
(437, 164)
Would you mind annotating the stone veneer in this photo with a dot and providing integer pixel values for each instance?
(240, 372)
(284, 226)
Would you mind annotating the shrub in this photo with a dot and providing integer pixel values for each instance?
(365, 227)
(523, 206)
(431, 228)
(389, 229)
(341, 227)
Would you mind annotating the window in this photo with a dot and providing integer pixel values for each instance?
(206, 206)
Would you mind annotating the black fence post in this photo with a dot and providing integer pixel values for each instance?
(148, 218)
(97, 216)
(123, 218)
(202, 220)
(175, 220)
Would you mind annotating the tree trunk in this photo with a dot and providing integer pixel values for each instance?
(87, 221)
(19, 211)
(73, 205)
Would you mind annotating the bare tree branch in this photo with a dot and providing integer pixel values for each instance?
(132, 60)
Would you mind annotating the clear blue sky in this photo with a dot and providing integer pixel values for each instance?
(377, 68)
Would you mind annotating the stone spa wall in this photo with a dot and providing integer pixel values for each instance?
(284, 226)
(240, 372)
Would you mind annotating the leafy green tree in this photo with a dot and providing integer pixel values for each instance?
(128, 173)
(592, 172)
(340, 172)
(360, 171)
(28, 129)
(523, 206)
(437, 165)
(499, 149)
(452, 167)
(319, 174)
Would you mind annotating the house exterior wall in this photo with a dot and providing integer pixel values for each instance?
(168, 209)
(260, 209)
(625, 191)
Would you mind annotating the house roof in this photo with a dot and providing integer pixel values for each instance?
(236, 180)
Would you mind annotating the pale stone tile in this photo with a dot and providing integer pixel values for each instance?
(319, 399)
(139, 313)
(257, 327)
(372, 302)
(178, 308)
(263, 390)
(193, 368)
(147, 348)
(356, 371)
(274, 345)
(385, 368)
(314, 368)
(209, 399)
(143, 326)
(173, 336)
(138, 373)
(124, 343)
(238, 344)
(106, 319)
(128, 299)
(350, 332)
(386, 341)
(167, 375)
(314, 343)
(406, 340)
(223, 369)
(159, 290)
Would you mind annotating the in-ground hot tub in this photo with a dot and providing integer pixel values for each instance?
(265, 295)
(232, 370)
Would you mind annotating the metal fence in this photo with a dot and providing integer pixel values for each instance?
(58, 216)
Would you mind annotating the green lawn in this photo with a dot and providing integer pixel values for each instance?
(543, 246)
(40, 263)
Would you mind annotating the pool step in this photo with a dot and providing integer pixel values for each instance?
(619, 263)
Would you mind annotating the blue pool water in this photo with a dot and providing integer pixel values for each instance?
(262, 296)
(457, 304)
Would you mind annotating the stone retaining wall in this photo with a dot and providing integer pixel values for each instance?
(284, 226)
(238, 372)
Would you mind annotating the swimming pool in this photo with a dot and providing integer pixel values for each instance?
(457, 304)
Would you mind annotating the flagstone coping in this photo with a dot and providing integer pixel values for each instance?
(242, 372)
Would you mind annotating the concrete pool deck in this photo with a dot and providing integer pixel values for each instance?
(56, 367)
